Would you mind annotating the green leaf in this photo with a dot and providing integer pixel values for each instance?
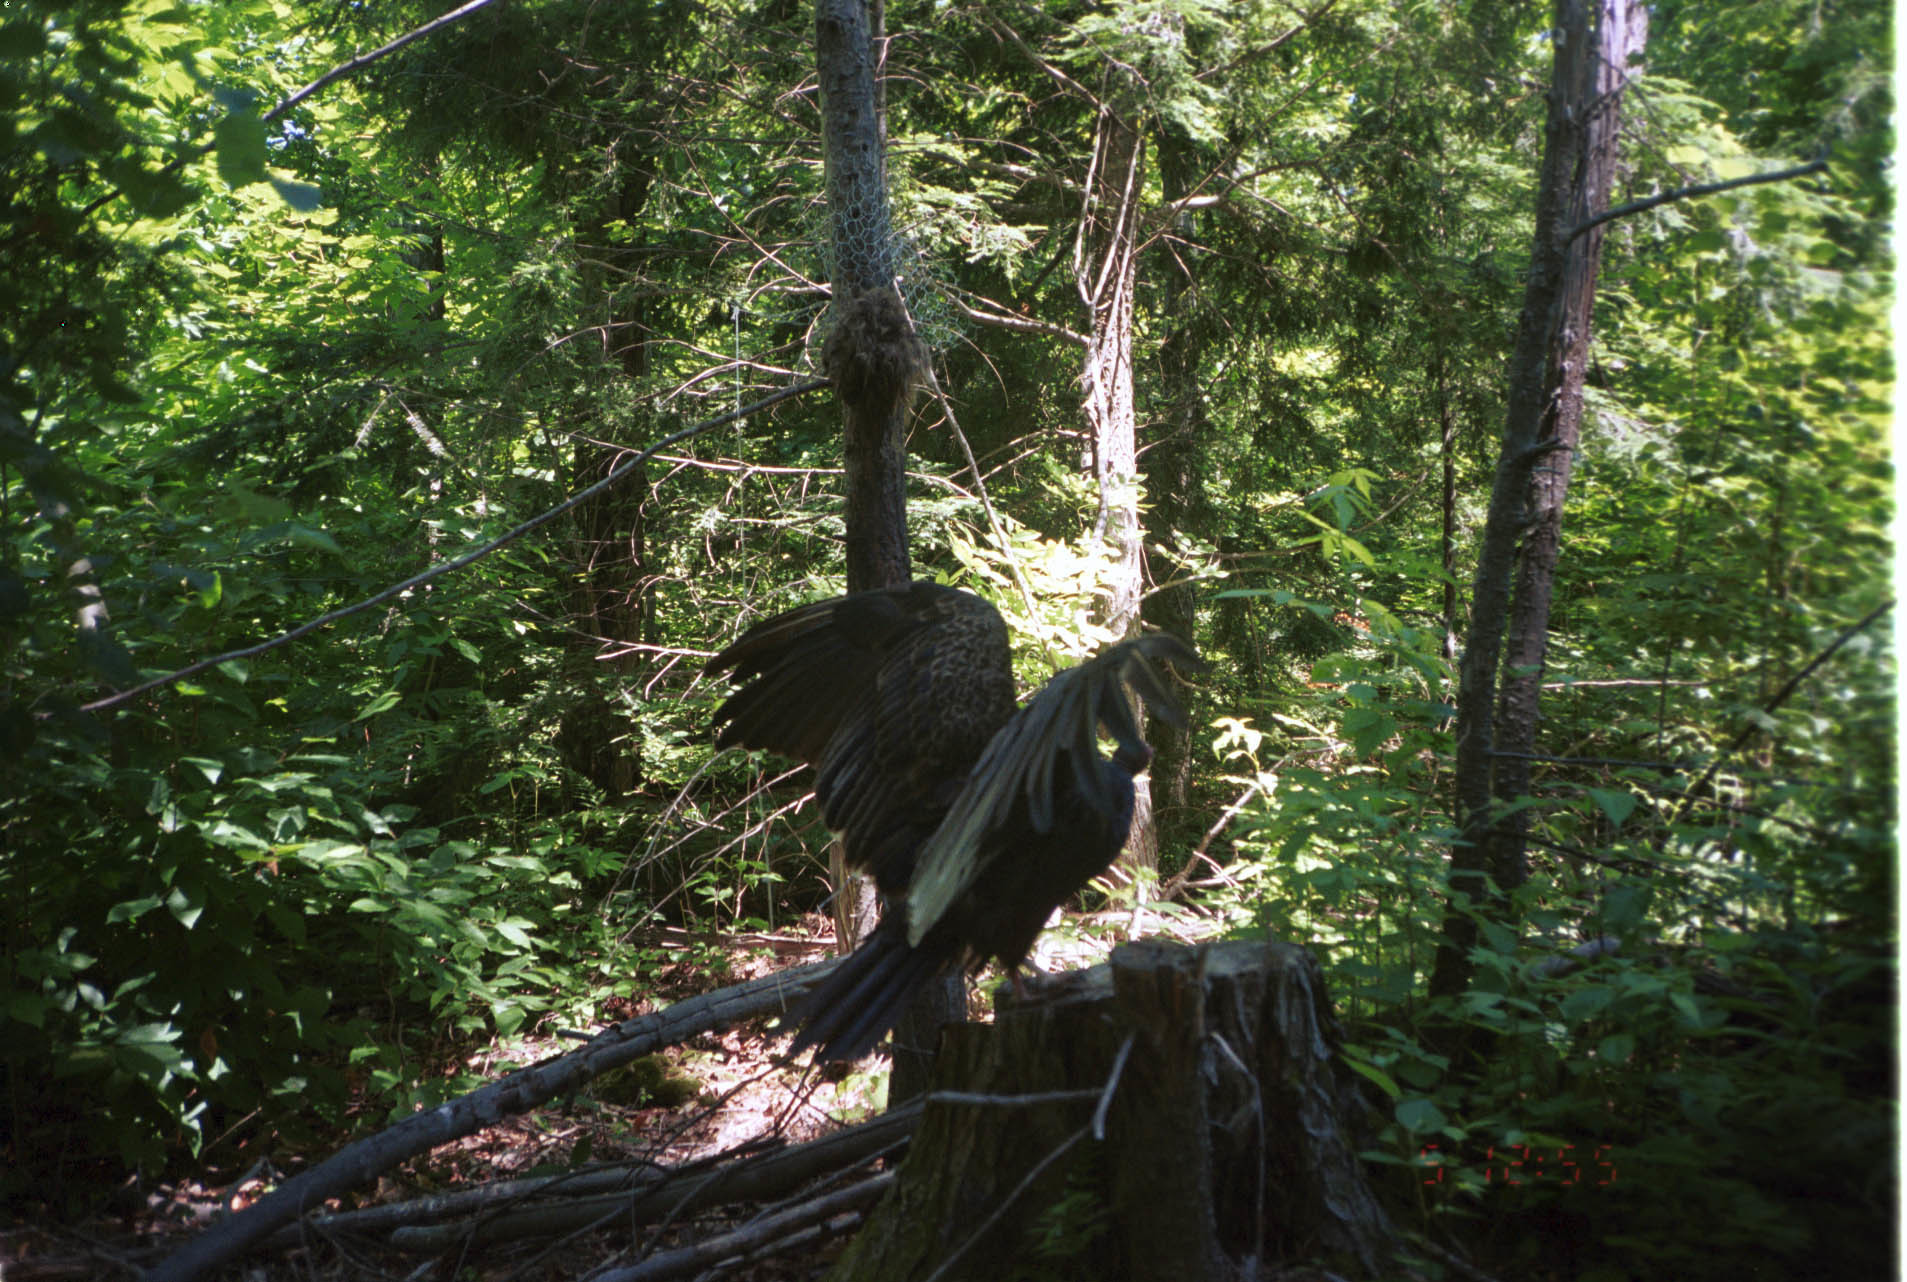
(1616, 1048)
(20, 40)
(131, 909)
(1618, 804)
(186, 908)
(1419, 1114)
(240, 140)
(509, 1017)
(28, 1008)
(1587, 1003)
(107, 657)
(383, 703)
(305, 536)
(290, 924)
(1375, 1075)
(1623, 906)
(301, 196)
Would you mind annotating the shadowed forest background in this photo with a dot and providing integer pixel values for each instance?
(258, 365)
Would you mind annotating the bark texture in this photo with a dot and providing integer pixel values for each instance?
(863, 267)
(1176, 1114)
(1174, 476)
(1105, 269)
(867, 346)
(1596, 43)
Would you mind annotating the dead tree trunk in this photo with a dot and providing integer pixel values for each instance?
(1595, 42)
(1177, 1114)
(1105, 270)
(876, 362)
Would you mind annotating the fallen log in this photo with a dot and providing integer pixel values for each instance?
(359, 1163)
(670, 1195)
(1228, 1129)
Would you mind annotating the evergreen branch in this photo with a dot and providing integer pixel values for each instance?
(468, 558)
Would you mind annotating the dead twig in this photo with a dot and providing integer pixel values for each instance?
(799, 1222)
(624, 1197)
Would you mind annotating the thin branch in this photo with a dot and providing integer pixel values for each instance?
(1815, 166)
(1620, 683)
(338, 72)
(1171, 889)
(437, 571)
(1035, 1099)
(986, 502)
(364, 60)
(1096, 1128)
(1112, 1084)
(1781, 696)
(706, 1254)
(557, 1206)
(750, 469)
(1003, 320)
(1664, 767)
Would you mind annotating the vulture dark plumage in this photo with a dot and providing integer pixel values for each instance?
(975, 817)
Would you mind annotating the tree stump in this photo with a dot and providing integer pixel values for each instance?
(1175, 1114)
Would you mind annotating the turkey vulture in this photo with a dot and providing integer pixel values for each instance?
(976, 818)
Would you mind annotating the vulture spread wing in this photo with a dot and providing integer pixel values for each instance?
(975, 819)
(890, 694)
(1042, 774)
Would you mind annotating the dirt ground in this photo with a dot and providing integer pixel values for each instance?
(719, 1095)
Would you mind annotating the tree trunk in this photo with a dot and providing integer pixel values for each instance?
(1447, 446)
(875, 361)
(1174, 479)
(1177, 1114)
(1105, 266)
(1595, 44)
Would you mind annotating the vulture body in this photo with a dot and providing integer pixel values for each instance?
(976, 818)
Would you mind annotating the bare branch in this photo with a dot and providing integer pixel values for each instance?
(1815, 166)
(338, 72)
(364, 60)
(1171, 889)
(578, 1200)
(801, 1219)
(1064, 1147)
(1025, 325)
(986, 501)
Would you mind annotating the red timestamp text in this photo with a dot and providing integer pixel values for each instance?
(1527, 1164)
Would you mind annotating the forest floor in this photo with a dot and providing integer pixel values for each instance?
(718, 1096)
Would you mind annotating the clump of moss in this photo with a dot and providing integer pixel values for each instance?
(649, 1082)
